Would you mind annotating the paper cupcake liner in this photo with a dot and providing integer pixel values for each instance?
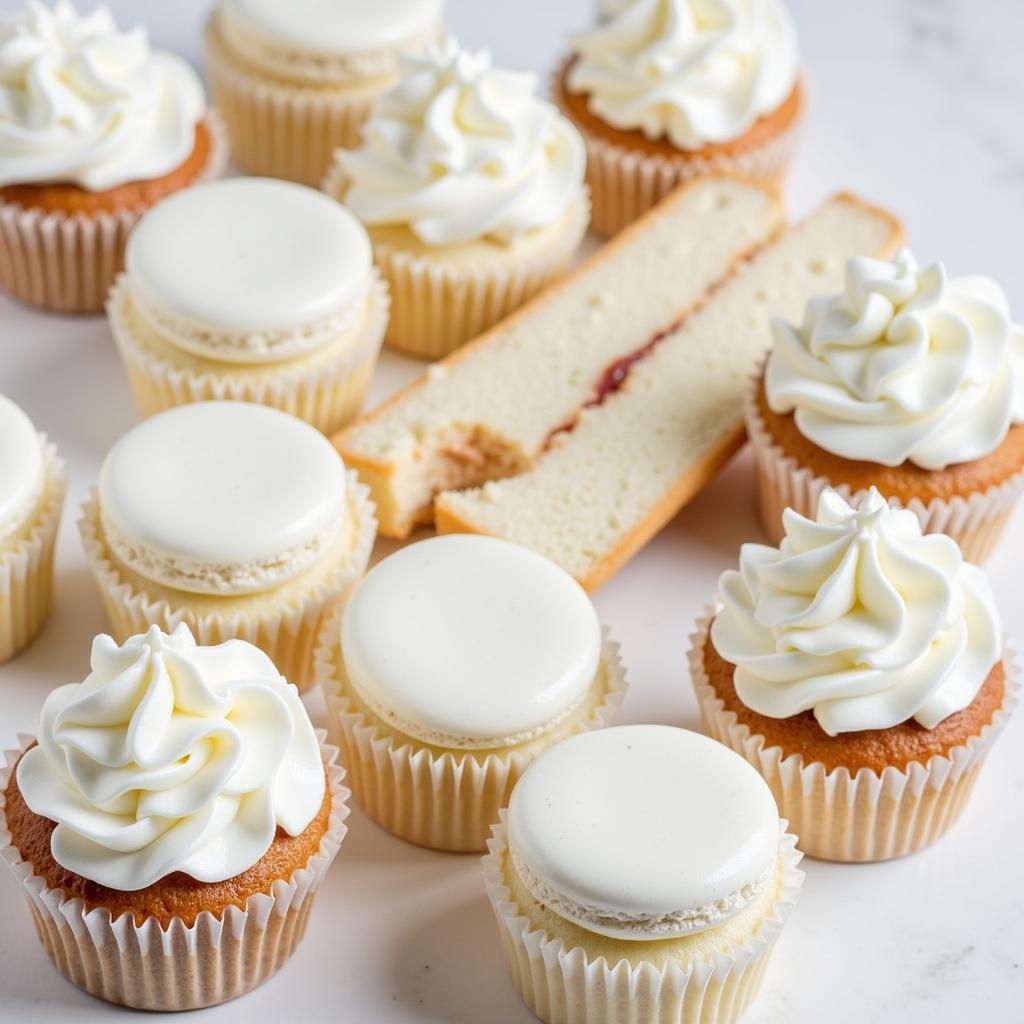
(445, 800)
(67, 262)
(26, 565)
(284, 130)
(563, 985)
(975, 522)
(863, 817)
(181, 967)
(328, 395)
(286, 631)
(438, 306)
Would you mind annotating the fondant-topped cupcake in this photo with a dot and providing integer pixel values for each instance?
(471, 188)
(908, 381)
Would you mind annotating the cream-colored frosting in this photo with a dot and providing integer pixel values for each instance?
(460, 151)
(470, 642)
(249, 269)
(85, 103)
(22, 470)
(902, 365)
(643, 831)
(858, 617)
(221, 497)
(172, 757)
(692, 71)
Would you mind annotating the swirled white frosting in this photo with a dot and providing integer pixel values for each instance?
(460, 151)
(172, 757)
(692, 71)
(858, 617)
(84, 103)
(903, 365)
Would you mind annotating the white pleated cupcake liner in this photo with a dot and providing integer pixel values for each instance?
(437, 306)
(862, 816)
(26, 564)
(562, 985)
(328, 396)
(283, 130)
(182, 967)
(446, 800)
(286, 631)
(976, 521)
(67, 262)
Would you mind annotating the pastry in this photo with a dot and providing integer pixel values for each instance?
(250, 289)
(238, 520)
(95, 127)
(904, 380)
(641, 873)
(454, 664)
(171, 822)
(472, 191)
(668, 90)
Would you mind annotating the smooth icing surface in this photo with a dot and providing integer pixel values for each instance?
(858, 617)
(459, 151)
(643, 831)
(903, 365)
(468, 641)
(82, 102)
(22, 471)
(249, 256)
(692, 71)
(221, 497)
(172, 757)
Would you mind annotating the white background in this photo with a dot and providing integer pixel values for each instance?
(916, 104)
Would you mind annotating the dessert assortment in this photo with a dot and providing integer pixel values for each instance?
(172, 818)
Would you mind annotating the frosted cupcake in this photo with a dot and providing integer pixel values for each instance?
(472, 191)
(455, 663)
(859, 667)
(172, 821)
(238, 520)
(32, 485)
(295, 80)
(250, 289)
(667, 90)
(906, 381)
(95, 127)
(641, 873)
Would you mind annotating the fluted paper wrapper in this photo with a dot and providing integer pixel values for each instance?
(975, 522)
(67, 262)
(865, 816)
(564, 986)
(444, 800)
(287, 632)
(183, 967)
(26, 564)
(328, 396)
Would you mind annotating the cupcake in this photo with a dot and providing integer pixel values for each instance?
(859, 667)
(667, 90)
(905, 381)
(295, 80)
(172, 821)
(32, 486)
(251, 289)
(641, 873)
(454, 664)
(472, 191)
(238, 520)
(95, 127)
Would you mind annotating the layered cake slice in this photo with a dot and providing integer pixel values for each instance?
(606, 484)
(490, 410)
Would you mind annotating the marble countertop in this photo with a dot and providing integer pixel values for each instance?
(916, 105)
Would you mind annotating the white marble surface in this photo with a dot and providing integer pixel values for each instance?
(916, 104)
